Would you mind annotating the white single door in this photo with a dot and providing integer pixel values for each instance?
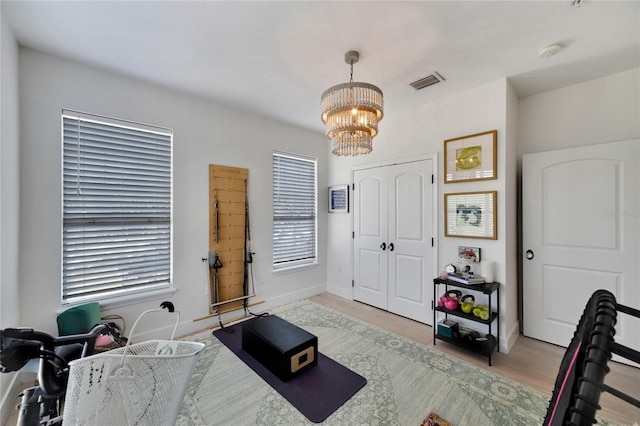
(410, 248)
(370, 237)
(393, 253)
(580, 233)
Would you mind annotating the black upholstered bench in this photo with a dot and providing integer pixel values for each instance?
(285, 349)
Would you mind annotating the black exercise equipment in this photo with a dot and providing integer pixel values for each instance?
(580, 380)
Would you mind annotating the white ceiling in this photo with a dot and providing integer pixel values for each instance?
(276, 58)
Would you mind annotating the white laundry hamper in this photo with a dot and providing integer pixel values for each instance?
(139, 384)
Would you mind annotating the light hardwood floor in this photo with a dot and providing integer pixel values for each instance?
(531, 362)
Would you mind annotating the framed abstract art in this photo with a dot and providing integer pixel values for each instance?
(470, 158)
(471, 215)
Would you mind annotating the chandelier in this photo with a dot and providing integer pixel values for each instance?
(351, 112)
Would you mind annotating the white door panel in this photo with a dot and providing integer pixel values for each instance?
(370, 232)
(410, 263)
(580, 189)
(370, 277)
(393, 219)
(370, 199)
(409, 207)
(580, 221)
(408, 270)
(566, 291)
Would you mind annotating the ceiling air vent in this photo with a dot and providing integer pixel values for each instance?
(429, 80)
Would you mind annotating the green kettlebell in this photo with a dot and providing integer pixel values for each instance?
(466, 303)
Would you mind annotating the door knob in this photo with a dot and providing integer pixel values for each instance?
(529, 254)
(390, 246)
(383, 246)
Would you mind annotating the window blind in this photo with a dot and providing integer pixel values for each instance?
(294, 210)
(116, 233)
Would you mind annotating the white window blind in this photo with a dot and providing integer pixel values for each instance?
(116, 233)
(294, 210)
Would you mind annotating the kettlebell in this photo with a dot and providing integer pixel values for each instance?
(441, 301)
(481, 311)
(466, 303)
(451, 301)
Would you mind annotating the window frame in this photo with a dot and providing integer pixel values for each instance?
(308, 261)
(153, 220)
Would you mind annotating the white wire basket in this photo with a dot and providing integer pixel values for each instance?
(139, 384)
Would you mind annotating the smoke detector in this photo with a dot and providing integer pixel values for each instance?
(550, 50)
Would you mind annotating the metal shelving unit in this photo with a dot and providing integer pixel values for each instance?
(488, 289)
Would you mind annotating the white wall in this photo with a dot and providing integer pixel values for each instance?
(9, 182)
(204, 133)
(511, 219)
(9, 191)
(597, 111)
(410, 133)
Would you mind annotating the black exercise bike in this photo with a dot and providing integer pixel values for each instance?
(43, 404)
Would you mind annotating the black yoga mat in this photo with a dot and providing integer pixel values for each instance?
(316, 393)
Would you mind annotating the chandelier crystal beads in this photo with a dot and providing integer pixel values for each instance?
(351, 112)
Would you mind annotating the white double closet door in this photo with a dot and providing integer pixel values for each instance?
(393, 238)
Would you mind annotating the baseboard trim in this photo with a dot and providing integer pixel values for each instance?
(345, 293)
(189, 326)
(283, 299)
(512, 336)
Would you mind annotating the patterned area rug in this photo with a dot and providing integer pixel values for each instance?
(406, 381)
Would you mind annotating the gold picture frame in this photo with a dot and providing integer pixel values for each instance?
(471, 215)
(470, 158)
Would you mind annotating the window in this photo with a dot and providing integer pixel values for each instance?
(116, 207)
(294, 210)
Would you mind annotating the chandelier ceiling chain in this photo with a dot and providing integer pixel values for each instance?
(351, 112)
(351, 77)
